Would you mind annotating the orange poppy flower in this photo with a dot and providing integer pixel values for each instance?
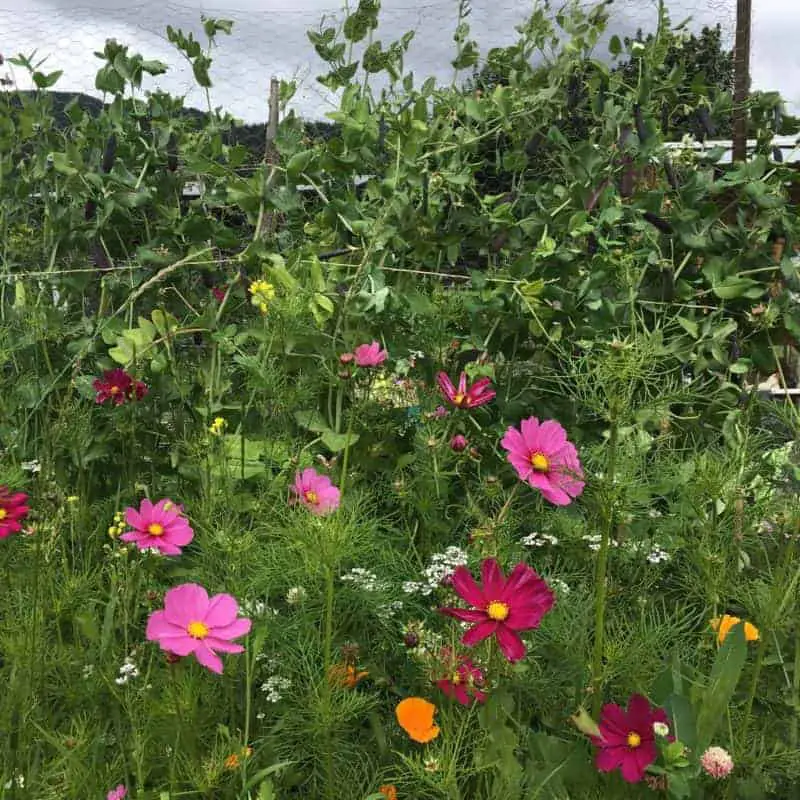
(415, 716)
(389, 791)
(724, 624)
(346, 675)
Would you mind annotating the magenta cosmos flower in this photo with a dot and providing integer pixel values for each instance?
(464, 682)
(161, 526)
(542, 456)
(191, 623)
(478, 394)
(370, 355)
(12, 511)
(116, 385)
(315, 492)
(627, 739)
(501, 607)
(118, 793)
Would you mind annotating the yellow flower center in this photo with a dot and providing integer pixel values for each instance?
(497, 611)
(3, 513)
(197, 630)
(154, 529)
(312, 497)
(634, 740)
(540, 462)
(114, 390)
(456, 679)
(459, 399)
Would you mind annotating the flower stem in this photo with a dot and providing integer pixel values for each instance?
(327, 645)
(600, 584)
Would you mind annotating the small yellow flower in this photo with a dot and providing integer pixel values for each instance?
(114, 531)
(261, 294)
(218, 426)
(72, 499)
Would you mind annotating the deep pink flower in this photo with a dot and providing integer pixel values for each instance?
(117, 794)
(501, 607)
(161, 526)
(116, 385)
(464, 681)
(191, 623)
(370, 355)
(542, 456)
(12, 511)
(627, 739)
(458, 443)
(315, 491)
(218, 293)
(478, 394)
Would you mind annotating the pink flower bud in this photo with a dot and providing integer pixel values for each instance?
(346, 358)
(458, 443)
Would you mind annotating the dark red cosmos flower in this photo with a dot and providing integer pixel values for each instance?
(627, 739)
(464, 681)
(463, 396)
(218, 293)
(501, 607)
(116, 385)
(12, 511)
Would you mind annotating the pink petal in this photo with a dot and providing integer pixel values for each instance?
(134, 536)
(529, 428)
(640, 715)
(524, 619)
(461, 694)
(510, 643)
(223, 646)
(552, 436)
(493, 579)
(521, 576)
(608, 758)
(465, 587)
(222, 611)
(614, 723)
(133, 518)
(635, 762)
(179, 533)
(514, 443)
(164, 547)
(239, 627)
(446, 385)
(465, 614)
(208, 659)
(181, 645)
(479, 632)
(145, 510)
(158, 626)
(185, 603)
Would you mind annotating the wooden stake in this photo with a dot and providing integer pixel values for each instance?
(741, 78)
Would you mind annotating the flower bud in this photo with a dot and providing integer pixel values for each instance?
(458, 443)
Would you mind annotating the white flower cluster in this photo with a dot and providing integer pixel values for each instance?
(34, 467)
(128, 671)
(258, 608)
(295, 595)
(390, 610)
(657, 555)
(442, 566)
(18, 779)
(537, 539)
(593, 541)
(273, 686)
(561, 587)
(364, 579)
(88, 671)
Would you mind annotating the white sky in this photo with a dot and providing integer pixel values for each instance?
(269, 38)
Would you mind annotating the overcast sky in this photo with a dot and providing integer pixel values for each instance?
(269, 38)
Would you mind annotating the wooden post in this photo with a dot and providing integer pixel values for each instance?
(741, 85)
(265, 226)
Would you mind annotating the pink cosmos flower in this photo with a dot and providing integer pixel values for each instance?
(542, 456)
(627, 739)
(191, 623)
(464, 682)
(116, 385)
(717, 762)
(440, 412)
(370, 355)
(478, 394)
(315, 492)
(117, 794)
(12, 511)
(501, 607)
(161, 526)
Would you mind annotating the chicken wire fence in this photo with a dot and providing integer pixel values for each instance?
(269, 38)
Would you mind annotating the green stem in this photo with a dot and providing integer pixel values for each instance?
(601, 589)
(328, 664)
(346, 456)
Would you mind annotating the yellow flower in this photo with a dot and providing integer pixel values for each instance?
(72, 499)
(261, 294)
(218, 426)
(723, 626)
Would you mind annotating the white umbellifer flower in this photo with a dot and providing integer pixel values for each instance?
(364, 579)
(19, 779)
(593, 541)
(128, 671)
(560, 586)
(657, 555)
(389, 610)
(33, 467)
(273, 686)
(258, 608)
(442, 566)
(88, 670)
(295, 595)
(414, 587)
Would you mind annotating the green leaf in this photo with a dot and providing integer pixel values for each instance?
(725, 673)
(311, 421)
(335, 442)
(240, 464)
(298, 162)
(684, 726)
(46, 81)
(735, 286)
(615, 45)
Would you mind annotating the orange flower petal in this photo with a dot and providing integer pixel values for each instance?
(415, 716)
